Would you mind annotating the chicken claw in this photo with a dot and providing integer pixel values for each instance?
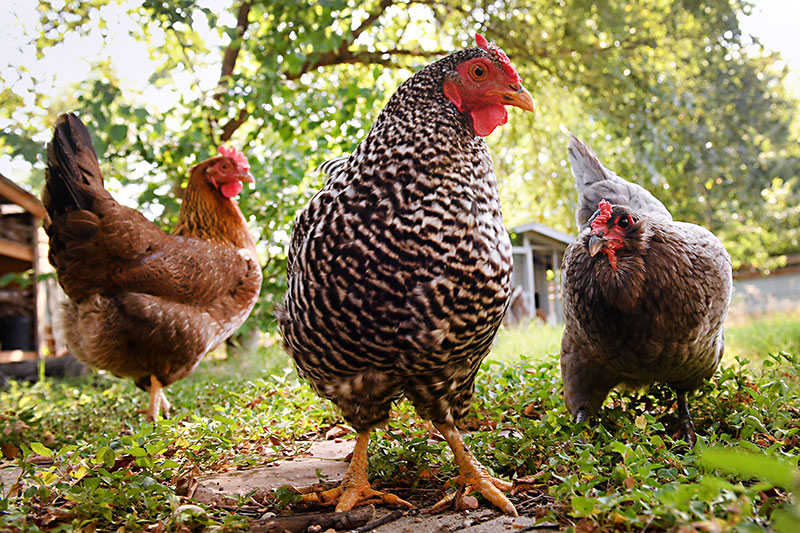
(473, 475)
(355, 490)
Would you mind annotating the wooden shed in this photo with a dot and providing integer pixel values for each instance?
(538, 254)
(23, 257)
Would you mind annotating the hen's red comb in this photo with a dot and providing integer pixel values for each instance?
(237, 156)
(498, 55)
(605, 214)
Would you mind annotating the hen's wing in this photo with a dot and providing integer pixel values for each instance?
(332, 166)
(334, 170)
(595, 182)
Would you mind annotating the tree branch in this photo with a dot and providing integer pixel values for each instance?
(232, 52)
(228, 65)
(232, 125)
(370, 20)
(338, 57)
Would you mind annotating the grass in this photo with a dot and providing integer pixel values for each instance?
(535, 340)
(752, 337)
(89, 461)
(748, 337)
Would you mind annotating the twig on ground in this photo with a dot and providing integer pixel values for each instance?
(299, 523)
(391, 517)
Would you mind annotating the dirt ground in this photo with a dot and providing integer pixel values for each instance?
(330, 457)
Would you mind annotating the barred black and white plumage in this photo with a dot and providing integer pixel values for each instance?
(399, 268)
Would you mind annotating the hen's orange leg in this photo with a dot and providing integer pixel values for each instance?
(158, 400)
(354, 489)
(165, 405)
(473, 474)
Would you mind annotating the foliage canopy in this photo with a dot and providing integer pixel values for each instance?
(670, 94)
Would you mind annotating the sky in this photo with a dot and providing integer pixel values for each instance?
(776, 23)
(773, 22)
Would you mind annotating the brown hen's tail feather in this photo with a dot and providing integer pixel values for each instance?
(73, 172)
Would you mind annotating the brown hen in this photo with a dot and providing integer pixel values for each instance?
(143, 303)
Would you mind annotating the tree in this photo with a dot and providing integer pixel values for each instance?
(664, 91)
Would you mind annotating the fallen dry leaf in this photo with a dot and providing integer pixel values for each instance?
(586, 526)
(336, 432)
(39, 460)
(466, 502)
(158, 527)
(56, 515)
(9, 450)
(527, 484)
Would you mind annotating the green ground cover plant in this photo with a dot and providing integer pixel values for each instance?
(88, 461)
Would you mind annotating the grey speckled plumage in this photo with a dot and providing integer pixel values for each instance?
(399, 267)
(659, 316)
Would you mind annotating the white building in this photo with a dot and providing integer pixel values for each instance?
(538, 254)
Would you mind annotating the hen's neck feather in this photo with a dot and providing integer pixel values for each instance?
(206, 214)
(624, 287)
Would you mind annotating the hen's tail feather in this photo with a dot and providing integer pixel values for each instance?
(586, 168)
(73, 173)
(595, 182)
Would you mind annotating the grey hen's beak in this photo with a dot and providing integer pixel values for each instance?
(597, 243)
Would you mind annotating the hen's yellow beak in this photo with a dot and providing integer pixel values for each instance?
(518, 96)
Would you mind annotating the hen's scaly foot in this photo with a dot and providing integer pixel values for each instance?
(685, 423)
(355, 489)
(473, 475)
(581, 415)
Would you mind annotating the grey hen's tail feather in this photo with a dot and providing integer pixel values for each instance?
(73, 173)
(595, 182)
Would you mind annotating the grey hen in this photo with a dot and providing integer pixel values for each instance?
(645, 297)
(399, 267)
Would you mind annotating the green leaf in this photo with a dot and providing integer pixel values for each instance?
(779, 472)
(286, 496)
(91, 483)
(137, 452)
(108, 457)
(583, 506)
(40, 449)
(118, 132)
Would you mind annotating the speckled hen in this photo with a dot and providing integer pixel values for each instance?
(399, 267)
(645, 297)
(143, 303)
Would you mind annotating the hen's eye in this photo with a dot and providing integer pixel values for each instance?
(224, 166)
(478, 72)
(624, 222)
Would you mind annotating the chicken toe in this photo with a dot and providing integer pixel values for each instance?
(473, 475)
(355, 488)
(158, 400)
